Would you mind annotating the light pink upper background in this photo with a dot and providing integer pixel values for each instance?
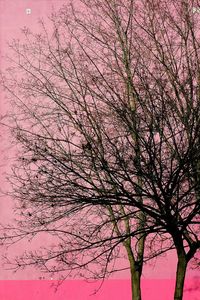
(13, 17)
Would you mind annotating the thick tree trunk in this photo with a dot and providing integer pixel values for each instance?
(180, 276)
(135, 285)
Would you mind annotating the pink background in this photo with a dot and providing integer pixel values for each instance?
(158, 278)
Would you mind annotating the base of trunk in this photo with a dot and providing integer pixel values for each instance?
(135, 284)
(180, 278)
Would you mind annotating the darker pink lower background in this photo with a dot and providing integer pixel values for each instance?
(79, 290)
(13, 17)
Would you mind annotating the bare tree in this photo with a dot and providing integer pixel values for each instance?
(68, 158)
(106, 114)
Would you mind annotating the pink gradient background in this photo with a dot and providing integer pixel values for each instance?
(158, 278)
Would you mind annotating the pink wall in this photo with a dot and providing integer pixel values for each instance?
(158, 279)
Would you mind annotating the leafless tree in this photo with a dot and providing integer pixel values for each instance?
(106, 115)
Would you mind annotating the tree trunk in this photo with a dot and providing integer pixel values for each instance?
(135, 285)
(135, 266)
(135, 275)
(180, 276)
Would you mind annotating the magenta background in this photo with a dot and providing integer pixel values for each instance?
(79, 290)
(158, 279)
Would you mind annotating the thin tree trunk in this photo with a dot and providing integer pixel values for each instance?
(135, 275)
(180, 276)
(135, 267)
